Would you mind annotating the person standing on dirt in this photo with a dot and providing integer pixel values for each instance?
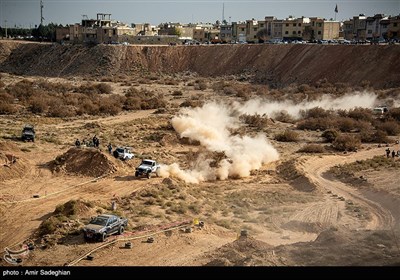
(77, 143)
(393, 154)
(109, 148)
(387, 152)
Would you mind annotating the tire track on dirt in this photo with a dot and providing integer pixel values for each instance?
(314, 168)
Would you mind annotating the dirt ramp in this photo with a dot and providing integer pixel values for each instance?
(86, 162)
(12, 165)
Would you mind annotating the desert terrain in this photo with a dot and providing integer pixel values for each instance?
(282, 161)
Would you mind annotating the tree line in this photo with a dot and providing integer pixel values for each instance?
(42, 32)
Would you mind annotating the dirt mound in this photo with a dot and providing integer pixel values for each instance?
(246, 251)
(288, 171)
(87, 162)
(12, 165)
(276, 65)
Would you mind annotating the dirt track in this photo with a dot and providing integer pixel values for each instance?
(314, 168)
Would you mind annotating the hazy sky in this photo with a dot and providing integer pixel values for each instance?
(26, 13)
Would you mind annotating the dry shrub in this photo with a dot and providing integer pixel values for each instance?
(171, 82)
(378, 136)
(390, 127)
(177, 93)
(360, 114)
(219, 86)
(230, 91)
(143, 99)
(7, 108)
(316, 124)
(38, 105)
(191, 103)
(312, 148)
(200, 86)
(110, 106)
(256, 120)
(394, 113)
(6, 103)
(284, 117)
(330, 135)
(346, 143)
(316, 112)
(287, 136)
(100, 88)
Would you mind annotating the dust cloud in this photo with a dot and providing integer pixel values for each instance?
(211, 125)
(271, 108)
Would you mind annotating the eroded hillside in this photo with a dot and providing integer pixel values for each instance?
(276, 65)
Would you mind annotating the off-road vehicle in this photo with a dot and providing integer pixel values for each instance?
(147, 167)
(123, 153)
(28, 133)
(104, 225)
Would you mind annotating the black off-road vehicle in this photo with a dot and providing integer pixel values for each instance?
(28, 133)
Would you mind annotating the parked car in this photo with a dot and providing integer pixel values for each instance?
(104, 225)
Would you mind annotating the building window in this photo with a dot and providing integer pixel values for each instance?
(255, 28)
(255, 37)
(294, 24)
(299, 24)
(370, 31)
(313, 23)
(242, 29)
(319, 24)
(370, 23)
(394, 24)
(298, 32)
(287, 24)
(286, 32)
(319, 32)
(294, 32)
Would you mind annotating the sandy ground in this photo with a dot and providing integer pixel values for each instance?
(283, 216)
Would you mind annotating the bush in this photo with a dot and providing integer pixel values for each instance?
(346, 143)
(395, 113)
(390, 127)
(312, 148)
(316, 112)
(316, 124)
(256, 120)
(330, 135)
(361, 114)
(378, 136)
(287, 136)
(200, 86)
(284, 117)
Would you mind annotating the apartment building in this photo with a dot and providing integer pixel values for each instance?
(373, 27)
(239, 31)
(226, 33)
(393, 28)
(293, 28)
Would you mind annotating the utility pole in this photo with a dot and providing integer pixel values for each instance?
(41, 12)
(223, 13)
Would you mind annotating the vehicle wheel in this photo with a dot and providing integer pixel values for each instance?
(121, 230)
(158, 172)
(148, 175)
(136, 174)
(103, 237)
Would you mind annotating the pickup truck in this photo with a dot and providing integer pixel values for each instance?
(104, 225)
(147, 167)
(123, 153)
